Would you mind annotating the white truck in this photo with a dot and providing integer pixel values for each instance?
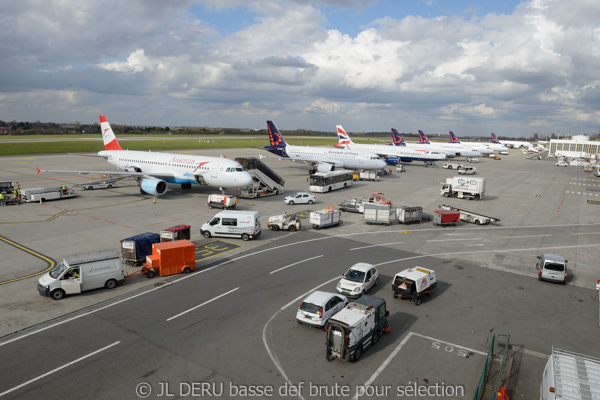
(324, 218)
(452, 165)
(241, 224)
(463, 187)
(570, 375)
(471, 216)
(44, 194)
(355, 328)
(81, 272)
(414, 283)
(284, 222)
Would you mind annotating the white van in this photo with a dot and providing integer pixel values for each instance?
(467, 170)
(81, 272)
(243, 224)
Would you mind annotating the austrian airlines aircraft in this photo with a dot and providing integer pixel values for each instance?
(154, 170)
(323, 159)
(400, 153)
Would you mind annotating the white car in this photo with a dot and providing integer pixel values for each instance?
(300, 198)
(99, 185)
(358, 279)
(318, 307)
(562, 164)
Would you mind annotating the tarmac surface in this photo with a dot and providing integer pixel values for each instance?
(231, 324)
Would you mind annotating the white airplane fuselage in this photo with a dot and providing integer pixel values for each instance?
(399, 151)
(351, 159)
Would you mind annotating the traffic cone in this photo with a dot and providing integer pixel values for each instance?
(154, 201)
(40, 201)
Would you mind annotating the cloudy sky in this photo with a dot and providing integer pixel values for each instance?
(470, 66)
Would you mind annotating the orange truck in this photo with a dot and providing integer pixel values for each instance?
(169, 258)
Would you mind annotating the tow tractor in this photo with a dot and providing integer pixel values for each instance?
(414, 283)
(470, 216)
(284, 222)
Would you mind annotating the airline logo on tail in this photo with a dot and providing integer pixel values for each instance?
(397, 139)
(423, 138)
(110, 140)
(277, 142)
(495, 139)
(453, 138)
(343, 137)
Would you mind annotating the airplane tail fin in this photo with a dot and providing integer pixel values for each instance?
(495, 139)
(397, 139)
(110, 140)
(275, 137)
(423, 138)
(453, 138)
(343, 137)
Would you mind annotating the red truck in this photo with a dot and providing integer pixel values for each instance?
(446, 217)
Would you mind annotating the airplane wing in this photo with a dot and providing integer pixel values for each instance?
(120, 173)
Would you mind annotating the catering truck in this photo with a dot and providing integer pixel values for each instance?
(570, 375)
(463, 187)
(81, 272)
(355, 328)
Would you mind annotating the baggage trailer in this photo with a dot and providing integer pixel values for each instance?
(324, 218)
(446, 217)
(170, 258)
(376, 213)
(135, 249)
(223, 201)
(368, 175)
(470, 216)
(178, 232)
(414, 283)
(409, 215)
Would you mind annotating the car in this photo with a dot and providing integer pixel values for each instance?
(300, 198)
(318, 307)
(562, 164)
(552, 267)
(527, 157)
(358, 279)
(99, 185)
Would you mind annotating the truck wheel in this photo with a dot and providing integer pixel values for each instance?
(57, 294)
(150, 274)
(417, 301)
(449, 166)
(275, 227)
(445, 194)
(395, 295)
(110, 284)
(358, 353)
(187, 270)
(375, 338)
(292, 228)
(245, 237)
(209, 206)
(206, 234)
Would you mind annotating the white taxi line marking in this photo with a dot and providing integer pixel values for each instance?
(520, 237)
(59, 368)
(375, 245)
(200, 305)
(291, 265)
(451, 240)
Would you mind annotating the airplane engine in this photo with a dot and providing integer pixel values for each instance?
(392, 160)
(325, 167)
(155, 187)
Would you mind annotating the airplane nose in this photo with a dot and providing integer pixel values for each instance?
(245, 180)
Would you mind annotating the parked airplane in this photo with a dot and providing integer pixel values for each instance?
(511, 143)
(154, 170)
(322, 159)
(459, 148)
(398, 141)
(483, 148)
(393, 154)
(495, 144)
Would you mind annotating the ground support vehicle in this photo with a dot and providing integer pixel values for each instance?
(265, 181)
(108, 183)
(44, 194)
(178, 232)
(284, 222)
(409, 215)
(241, 224)
(365, 175)
(552, 267)
(7, 187)
(446, 217)
(470, 216)
(400, 168)
(81, 272)
(463, 187)
(357, 203)
(10, 201)
(414, 283)
(135, 249)
(324, 218)
(375, 213)
(355, 328)
(570, 375)
(472, 160)
(169, 258)
(223, 201)
(467, 170)
(452, 165)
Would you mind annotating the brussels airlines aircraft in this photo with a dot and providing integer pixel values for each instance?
(154, 170)
(483, 148)
(323, 159)
(495, 145)
(398, 153)
(398, 141)
(511, 143)
(457, 147)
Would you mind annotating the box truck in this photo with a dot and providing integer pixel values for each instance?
(463, 187)
(570, 375)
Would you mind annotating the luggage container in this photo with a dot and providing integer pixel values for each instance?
(170, 258)
(178, 232)
(223, 201)
(409, 215)
(324, 218)
(377, 213)
(446, 217)
(135, 249)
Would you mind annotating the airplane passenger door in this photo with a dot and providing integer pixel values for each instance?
(214, 169)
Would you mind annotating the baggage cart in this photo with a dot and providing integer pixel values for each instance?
(409, 215)
(135, 249)
(446, 217)
(170, 258)
(178, 232)
(376, 213)
(324, 218)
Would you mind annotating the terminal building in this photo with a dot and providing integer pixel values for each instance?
(577, 147)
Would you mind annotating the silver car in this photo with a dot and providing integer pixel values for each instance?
(552, 267)
(318, 307)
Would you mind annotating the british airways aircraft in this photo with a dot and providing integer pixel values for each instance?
(459, 148)
(154, 170)
(398, 141)
(483, 148)
(322, 159)
(392, 153)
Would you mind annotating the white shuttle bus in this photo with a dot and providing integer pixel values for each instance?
(322, 182)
